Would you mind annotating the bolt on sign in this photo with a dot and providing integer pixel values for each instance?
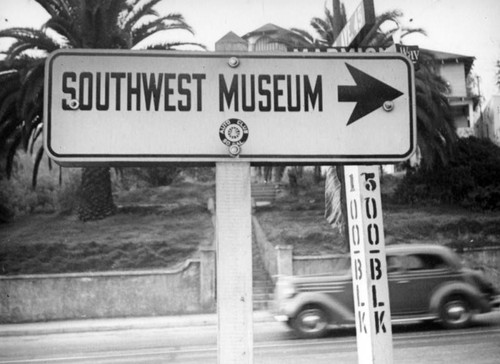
(131, 107)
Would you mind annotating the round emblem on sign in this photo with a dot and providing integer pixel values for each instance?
(233, 132)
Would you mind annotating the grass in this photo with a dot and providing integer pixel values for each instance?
(154, 228)
(161, 227)
(299, 221)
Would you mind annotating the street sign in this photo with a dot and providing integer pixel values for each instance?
(411, 51)
(358, 25)
(132, 107)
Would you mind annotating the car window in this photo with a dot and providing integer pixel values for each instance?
(394, 263)
(423, 261)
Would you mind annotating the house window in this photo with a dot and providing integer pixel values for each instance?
(460, 115)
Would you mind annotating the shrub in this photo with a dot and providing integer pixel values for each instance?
(471, 179)
(148, 176)
(68, 194)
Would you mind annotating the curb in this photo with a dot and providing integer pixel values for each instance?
(117, 324)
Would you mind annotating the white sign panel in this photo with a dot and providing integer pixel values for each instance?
(114, 107)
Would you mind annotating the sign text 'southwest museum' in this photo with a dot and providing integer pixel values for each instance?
(137, 106)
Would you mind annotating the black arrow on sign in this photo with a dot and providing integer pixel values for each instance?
(369, 93)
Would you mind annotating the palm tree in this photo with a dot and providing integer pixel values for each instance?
(104, 24)
(436, 136)
(327, 28)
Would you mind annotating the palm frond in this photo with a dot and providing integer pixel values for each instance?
(34, 136)
(138, 10)
(16, 49)
(36, 167)
(407, 31)
(146, 31)
(389, 16)
(173, 45)
(304, 34)
(65, 28)
(8, 106)
(53, 7)
(31, 91)
(38, 39)
(7, 130)
(12, 149)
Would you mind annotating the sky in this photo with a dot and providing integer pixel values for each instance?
(467, 27)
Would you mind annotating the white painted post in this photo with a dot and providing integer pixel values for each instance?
(369, 267)
(234, 263)
(234, 251)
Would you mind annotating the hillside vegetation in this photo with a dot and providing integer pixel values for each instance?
(160, 227)
(299, 221)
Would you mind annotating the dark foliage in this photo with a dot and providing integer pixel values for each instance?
(471, 179)
(156, 176)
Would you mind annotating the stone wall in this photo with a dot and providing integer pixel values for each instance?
(188, 289)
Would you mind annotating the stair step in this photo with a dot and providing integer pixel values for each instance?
(262, 305)
(262, 290)
(263, 286)
(262, 297)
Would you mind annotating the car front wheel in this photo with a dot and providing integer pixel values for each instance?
(455, 312)
(311, 322)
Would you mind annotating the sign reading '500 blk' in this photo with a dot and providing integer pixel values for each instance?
(139, 107)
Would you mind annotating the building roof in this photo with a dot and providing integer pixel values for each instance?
(233, 38)
(280, 34)
(445, 57)
(267, 29)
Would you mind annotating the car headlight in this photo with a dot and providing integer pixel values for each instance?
(285, 289)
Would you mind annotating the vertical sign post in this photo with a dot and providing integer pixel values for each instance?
(369, 267)
(234, 255)
(366, 234)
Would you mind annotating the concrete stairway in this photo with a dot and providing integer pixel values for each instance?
(263, 286)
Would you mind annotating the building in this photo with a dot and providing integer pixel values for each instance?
(488, 125)
(271, 38)
(455, 68)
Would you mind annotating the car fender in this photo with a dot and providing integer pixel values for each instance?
(336, 311)
(461, 288)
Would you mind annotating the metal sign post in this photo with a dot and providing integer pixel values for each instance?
(368, 262)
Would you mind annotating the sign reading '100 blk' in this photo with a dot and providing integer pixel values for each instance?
(144, 106)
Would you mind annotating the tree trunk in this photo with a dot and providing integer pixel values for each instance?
(293, 180)
(335, 204)
(96, 198)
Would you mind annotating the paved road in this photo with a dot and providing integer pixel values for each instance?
(416, 343)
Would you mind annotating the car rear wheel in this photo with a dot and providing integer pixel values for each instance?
(311, 322)
(455, 312)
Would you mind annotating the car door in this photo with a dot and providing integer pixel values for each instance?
(414, 281)
(396, 275)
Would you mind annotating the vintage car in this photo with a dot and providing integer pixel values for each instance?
(426, 282)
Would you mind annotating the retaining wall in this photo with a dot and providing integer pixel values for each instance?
(31, 298)
(307, 265)
(279, 260)
(266, 249)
